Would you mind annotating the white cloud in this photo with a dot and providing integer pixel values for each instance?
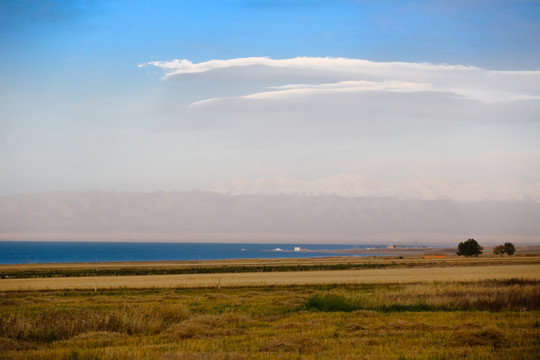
(343, 74)
(342, 86)
(183, 66)
(314, 117)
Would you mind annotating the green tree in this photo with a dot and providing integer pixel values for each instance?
(507, 248)
(499, 250)
(510, 249)
(469, 248)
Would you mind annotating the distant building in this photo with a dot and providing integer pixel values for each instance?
(297, 248)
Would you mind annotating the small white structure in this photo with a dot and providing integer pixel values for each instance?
(297, 248)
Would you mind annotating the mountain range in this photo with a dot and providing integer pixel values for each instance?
(349, 185)
(216, 217)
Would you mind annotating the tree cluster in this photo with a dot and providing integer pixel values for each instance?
(469, 248)
(507, 248)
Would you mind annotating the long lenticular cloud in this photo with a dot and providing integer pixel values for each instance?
(349, 75)
(183, 66)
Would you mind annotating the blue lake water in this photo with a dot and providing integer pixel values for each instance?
(27, 252)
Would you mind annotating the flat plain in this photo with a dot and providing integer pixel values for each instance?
(389, 308)
(367, 276)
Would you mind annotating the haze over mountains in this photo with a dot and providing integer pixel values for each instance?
(214, 217)
(359, 185)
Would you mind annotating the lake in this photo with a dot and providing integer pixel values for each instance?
(27, 252)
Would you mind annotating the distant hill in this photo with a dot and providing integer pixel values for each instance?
(210, 216)
(363, 186)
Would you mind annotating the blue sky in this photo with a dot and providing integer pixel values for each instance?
(77, 112)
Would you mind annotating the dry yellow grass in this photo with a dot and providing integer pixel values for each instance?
(389, 275)
(419, 320)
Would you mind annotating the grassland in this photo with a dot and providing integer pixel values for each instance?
(441, 310)
(371, 276)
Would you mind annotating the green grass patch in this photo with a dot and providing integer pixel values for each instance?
(332, 302)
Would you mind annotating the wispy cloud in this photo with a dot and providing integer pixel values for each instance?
(292, 90)
(342, 86)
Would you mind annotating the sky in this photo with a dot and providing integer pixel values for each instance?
(168, 95)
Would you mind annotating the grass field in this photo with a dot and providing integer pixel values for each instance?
(385, 275)
(437, 311)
